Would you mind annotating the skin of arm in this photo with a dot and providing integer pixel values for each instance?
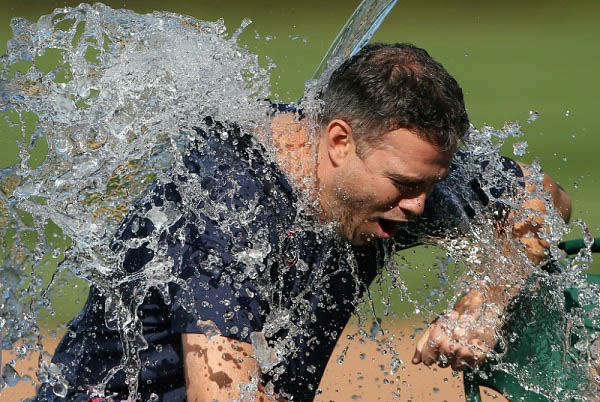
(464, 344)
(215, 367)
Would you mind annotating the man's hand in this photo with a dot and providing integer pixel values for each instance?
(464, 336)
(460, 338)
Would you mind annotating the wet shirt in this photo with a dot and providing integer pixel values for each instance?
(266, 271)
(299, 289)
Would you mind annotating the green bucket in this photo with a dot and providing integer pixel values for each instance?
(537, 350)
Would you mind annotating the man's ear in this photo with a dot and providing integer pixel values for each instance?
(339, 141)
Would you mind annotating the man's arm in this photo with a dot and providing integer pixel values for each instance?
(466, 334)
(216, 367)
(527, 230)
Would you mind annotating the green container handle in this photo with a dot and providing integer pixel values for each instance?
(573, 246)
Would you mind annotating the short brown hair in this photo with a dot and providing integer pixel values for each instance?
(385, 87)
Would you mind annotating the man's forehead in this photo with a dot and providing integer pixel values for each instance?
(416, 164)
(387, 138)
(418, 177)
(420, 151)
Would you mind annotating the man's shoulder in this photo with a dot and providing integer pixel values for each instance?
(224, 191)
(223, 158)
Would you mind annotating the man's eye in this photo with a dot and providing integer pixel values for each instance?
(402, 186)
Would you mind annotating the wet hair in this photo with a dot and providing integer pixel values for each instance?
(385, 87)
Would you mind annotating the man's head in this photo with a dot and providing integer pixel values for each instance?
(389, 86)
(391, 120)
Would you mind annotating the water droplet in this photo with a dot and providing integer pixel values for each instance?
(60, 389)
(533, 116)
(264, 354)
(10, 376)
(342, 356)
(135, 225)
(416, 332)
(520, 148)
(208, 328)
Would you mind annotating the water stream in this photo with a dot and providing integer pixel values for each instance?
(127, 97)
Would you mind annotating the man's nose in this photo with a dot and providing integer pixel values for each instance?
(414, 204)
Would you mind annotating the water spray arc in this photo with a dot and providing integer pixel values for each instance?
(356, 32)
(129, 106)
(124, 96)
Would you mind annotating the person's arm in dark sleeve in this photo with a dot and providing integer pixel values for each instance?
(224, 276)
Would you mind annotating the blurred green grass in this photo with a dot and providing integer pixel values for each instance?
(510, 57)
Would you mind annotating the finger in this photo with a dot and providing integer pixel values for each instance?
(458, 364)
(448, 346)
(465, 358)
(430, 357)
(479, 359)
(475, 353)
(430, 351)
(446, 351)
(416, 357)
(419, 348)
(478, 352)
(479, 356)
(443, 360)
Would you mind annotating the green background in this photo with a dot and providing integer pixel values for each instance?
(510, 57)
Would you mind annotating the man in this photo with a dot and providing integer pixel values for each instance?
(269, 256)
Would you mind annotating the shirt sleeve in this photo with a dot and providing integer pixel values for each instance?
(220, 293)
(208, 258)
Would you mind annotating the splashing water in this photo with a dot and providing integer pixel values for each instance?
(115, 110)
(357, 32)
(547, 341)
(125, 100)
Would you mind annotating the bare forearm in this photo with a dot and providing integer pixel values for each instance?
(489, 299)
(466, 333)
(221, 369)
(560, 198)
(531, 228)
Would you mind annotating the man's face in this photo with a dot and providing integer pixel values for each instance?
(388, 186)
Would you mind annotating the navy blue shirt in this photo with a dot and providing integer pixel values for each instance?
(267, 271)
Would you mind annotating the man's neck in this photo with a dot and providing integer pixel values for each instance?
(294, 150)
(298, 154)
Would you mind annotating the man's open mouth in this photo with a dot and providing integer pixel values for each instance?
(388, 227)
